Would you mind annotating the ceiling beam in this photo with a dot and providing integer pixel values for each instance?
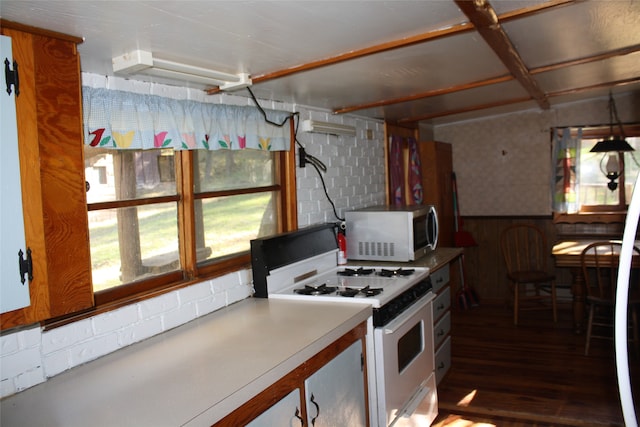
(486, 22)
(519, 13)
(494, 80)
(607, 85)
(360, 53)
(422, 95)
(601, 57)
(396, 44)
(463, 110)
(533, 9)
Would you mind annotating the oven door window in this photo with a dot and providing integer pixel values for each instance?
(410, 345)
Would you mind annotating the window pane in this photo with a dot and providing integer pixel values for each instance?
(593, 183)
(129, 244)
(232, 169)
(114, 175)
(228, 223)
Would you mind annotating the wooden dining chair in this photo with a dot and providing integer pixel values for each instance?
(600, 262)
(525, 253)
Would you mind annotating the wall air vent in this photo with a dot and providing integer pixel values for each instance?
(328, 128)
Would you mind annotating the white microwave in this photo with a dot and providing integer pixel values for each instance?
(391, 233)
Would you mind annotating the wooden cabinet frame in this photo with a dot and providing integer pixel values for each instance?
(49, 116)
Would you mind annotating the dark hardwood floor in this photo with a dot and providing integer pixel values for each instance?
(533, 374)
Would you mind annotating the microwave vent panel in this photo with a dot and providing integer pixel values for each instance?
(376, 249)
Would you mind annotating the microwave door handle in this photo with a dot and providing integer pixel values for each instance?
(433, 213)
(399, 321)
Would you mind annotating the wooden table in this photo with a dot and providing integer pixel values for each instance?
(567, 254)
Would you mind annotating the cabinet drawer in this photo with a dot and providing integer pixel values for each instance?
(443, 360)
(440, 278)
(442, 303)
(441, 329)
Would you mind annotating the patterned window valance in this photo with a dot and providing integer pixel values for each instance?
(566, 167)
(124, 120)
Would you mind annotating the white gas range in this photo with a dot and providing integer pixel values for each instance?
(303, 265)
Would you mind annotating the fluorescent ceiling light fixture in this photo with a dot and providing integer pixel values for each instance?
(143, 62)
(329, 128)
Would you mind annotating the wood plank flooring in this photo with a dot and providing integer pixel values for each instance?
(531, 375)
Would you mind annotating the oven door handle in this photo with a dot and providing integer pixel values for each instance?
(396, 323)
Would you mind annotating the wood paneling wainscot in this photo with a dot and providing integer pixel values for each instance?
(484, 266)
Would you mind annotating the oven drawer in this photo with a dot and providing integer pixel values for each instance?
(441, 329)
(443, 360)
(423, 409)
(441, 304)
(440, 278)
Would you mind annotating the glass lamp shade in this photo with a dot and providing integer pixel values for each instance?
(610, 167)
(613, 166)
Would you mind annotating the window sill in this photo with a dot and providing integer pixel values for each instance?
(617, 217)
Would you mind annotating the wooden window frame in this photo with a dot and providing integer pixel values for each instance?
(192, 272)
(601, 213)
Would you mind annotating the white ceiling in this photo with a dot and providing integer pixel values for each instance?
(262, 37)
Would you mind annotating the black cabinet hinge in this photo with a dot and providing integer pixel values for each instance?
(11, 77)
(26, 265)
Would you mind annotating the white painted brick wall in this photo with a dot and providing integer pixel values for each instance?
(30, 356)
(355, 170)
(354, 178)
(20, 360)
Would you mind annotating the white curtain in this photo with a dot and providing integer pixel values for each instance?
(124, 120)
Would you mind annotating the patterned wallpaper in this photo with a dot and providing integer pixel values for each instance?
(503, 163)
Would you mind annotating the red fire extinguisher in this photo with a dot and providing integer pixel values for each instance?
(342, 248)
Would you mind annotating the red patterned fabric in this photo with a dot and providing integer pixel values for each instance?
(415, 173)
(396, 171)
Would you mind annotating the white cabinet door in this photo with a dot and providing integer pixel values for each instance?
(14, 294)
(335, 393)
(284, 413)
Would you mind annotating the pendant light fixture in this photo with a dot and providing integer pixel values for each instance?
(612, 147)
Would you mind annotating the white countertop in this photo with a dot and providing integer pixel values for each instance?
(192, 375)
(434, 260)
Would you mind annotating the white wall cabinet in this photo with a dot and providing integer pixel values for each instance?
(14, 287)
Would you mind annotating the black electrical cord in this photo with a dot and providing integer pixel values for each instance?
(324, 186)
(305, 158)
(264, 113)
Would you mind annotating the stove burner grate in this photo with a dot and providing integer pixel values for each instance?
(356, 272)
(366, 291)
(349, 292)
(397, 272)
(315, 290)
(370, 292)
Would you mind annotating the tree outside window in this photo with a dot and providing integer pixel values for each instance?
(159, 217)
